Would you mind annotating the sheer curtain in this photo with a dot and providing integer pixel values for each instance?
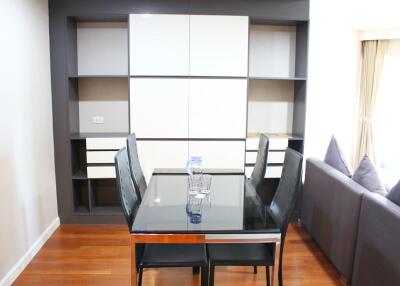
(386, 122)
(373, 56)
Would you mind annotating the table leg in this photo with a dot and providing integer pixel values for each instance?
(133, 263)
(275, 268)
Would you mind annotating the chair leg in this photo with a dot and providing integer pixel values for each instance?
(204, 276)
(195, 270)
(140, 276)
(212, 270)
(255, 269)
(268, 276)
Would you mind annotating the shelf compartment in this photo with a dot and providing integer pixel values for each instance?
(105, 98)
(102, 48)
(78, 159)
(270, 106)
(81, 197)
(79, 136)
(104, 195)
(272, 51)
(278, 141)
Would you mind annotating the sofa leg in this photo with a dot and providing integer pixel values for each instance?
(255, 269)
(195, 270)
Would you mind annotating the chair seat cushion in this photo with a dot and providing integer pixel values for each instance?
(174, 255)
(241, 254)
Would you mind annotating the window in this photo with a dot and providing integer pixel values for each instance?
(386, 121)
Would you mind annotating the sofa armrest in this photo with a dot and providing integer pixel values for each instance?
(331, 205)
(377, 258)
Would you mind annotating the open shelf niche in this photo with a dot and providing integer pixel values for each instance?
(98, 88)
(276, 93)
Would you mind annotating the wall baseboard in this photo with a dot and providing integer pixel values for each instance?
(17, 269)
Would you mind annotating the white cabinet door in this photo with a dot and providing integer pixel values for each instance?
(218, 45)
(219, 154)
(161, 154)
(217, 108)
(159, 107)
(159, 44)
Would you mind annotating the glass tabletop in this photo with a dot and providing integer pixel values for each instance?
(231, 206)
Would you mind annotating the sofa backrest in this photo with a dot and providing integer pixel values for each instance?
(330, 211)
(377, 257)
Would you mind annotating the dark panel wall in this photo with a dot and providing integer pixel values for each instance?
(262, 9)
(63, 63)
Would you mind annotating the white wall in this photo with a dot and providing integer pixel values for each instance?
(28, 205)
(334, 67)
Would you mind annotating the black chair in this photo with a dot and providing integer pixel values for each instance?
(258, 174)
(155, 255)
(280, 211)
(139, 180)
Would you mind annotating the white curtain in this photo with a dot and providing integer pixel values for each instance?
(373, 53)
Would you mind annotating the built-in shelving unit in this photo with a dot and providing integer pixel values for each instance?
(277, 90)
(186, 82)
(98, 87)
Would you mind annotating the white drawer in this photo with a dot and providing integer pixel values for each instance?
(252, 143)
(251, 157)
(94, 172)
(278, 143)
(273, 157)
(272, 171)
(276, 157)
(105, 143)
(100, 156)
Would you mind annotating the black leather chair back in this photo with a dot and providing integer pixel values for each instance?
(129, 199)
(284, 201)
(136, 170)
(257, 176)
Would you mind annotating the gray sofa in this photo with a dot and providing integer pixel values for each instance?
(331, 204)
(359, 231)
(377, 258)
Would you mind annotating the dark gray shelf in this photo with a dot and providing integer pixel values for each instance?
(80, 175)
(188, 76)
(80, 136)
(277, 78)
(268, 164)
(98, 76)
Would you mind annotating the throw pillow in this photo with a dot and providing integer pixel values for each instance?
(334, 157)
(367, 176)
(394, 194)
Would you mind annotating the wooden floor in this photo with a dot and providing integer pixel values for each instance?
(99, 255)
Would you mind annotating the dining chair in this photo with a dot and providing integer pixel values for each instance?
(280, 211)
(154, 255)
(258, 174)
(137, 175)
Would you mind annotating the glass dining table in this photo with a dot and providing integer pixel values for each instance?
(230, 213)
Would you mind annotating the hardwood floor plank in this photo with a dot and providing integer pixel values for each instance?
(99, 255)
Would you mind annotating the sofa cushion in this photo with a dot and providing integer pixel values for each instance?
(394, 194)
(334, 157)
(367, 176)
